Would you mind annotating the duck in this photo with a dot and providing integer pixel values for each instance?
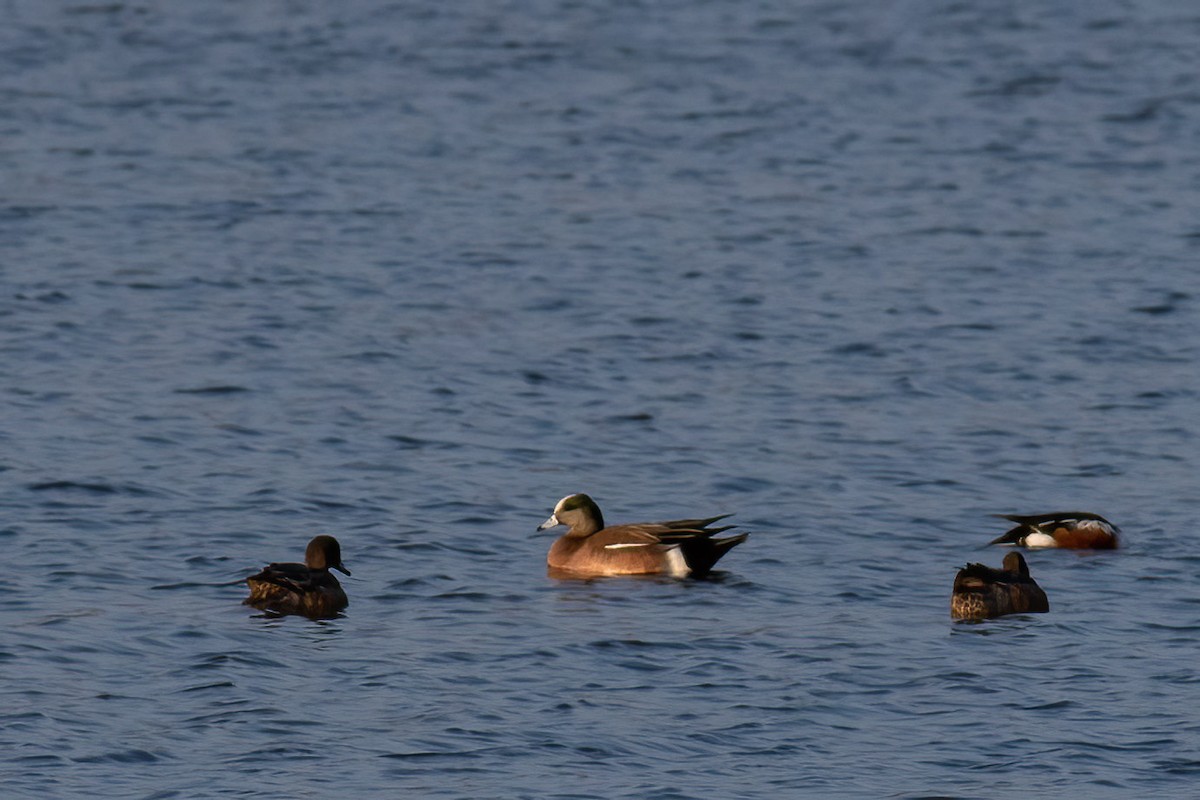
(1077, 530)
(981, 592)
(308, 589)
(678, 548)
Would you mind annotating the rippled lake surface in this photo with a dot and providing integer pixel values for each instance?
(862, 274)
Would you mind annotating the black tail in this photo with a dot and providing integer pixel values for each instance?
(701, 552)
(1012, 536)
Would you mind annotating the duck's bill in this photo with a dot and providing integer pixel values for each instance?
(340, 567)
(550, 523)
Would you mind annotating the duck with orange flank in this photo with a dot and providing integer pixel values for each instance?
(1076, 530)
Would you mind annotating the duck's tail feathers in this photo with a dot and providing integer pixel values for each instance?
(702, 553)
(696, 524)
(1012, 536)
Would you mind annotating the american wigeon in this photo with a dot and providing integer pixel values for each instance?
(1073, 529)
(308, 588)
(678, 547)
(981, 592)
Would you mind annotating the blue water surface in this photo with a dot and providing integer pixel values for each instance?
(862, 274)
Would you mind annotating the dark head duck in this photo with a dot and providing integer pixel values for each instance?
(981, 592)
(1077, 530)
(678, 548)
(309, 588)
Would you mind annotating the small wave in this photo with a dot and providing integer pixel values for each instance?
(121, 757)
(214, 389)
(93, 488)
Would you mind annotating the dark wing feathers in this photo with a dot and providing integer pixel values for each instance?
(293, 577)
(1034, 520)
(976, 575)
(693, 524)
(981, 573)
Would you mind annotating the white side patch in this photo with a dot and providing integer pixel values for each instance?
(626, 545)
(676, 565)
(1040, 540)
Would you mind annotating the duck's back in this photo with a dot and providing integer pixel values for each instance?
(981, 592)
(296, 589)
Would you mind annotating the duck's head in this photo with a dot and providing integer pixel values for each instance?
(1015, 562)
(324, 552)
(578, 512)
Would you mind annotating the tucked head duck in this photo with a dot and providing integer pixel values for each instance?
(678, 547)
(1073, 529)
(309, 588)
(981, 592)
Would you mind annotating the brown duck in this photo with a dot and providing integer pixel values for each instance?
(678, 548)
(981, 592)
(308, 588)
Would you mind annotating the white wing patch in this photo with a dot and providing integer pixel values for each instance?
(627, 545)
